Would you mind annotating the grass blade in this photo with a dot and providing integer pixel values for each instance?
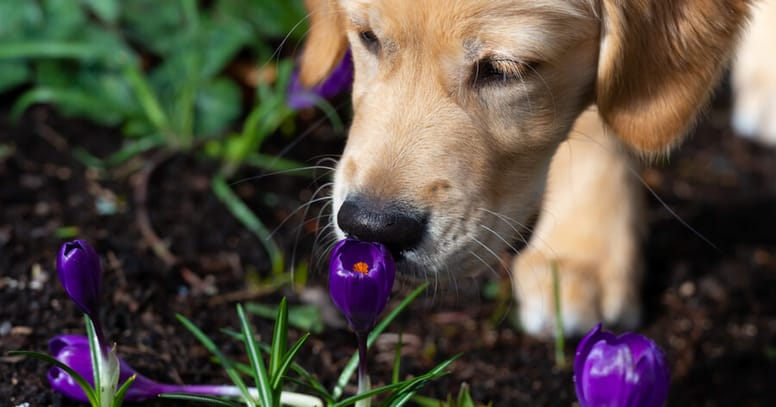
(241, 211)
(226, 363)
(287, 359)
(50, 49)
(279, 343)
(411, 387)
(396, 361)
(215, 401)
(118, 398)
(263, 383)
(149, 102)
(560, 335)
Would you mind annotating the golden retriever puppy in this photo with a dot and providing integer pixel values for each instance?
(473, 116)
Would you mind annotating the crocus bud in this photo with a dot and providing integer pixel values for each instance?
(360, 281)
(338, 81)
(620, 371)
(78, 266)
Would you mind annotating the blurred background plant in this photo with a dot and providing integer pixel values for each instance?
(176, 77)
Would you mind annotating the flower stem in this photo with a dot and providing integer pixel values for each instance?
(363, 375)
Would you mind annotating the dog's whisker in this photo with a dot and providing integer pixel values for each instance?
(636, 173)
(305, 206)
(281, 172)
(492, 253)
(513, 224)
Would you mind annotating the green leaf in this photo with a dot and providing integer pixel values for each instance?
(269, 18)
(159, 31)
(396, 361)
(212, 400)
(97, 363)
(288, 358)
(464, 397)
(50, 49)
(118, 398)
(560, 336)
(304, 317)
(412, 386)
(70, 102)
(17, 18)
(12, 74)
(240, 210)
(263, 384)
(105, 10)
(217, 106)
(148, 100)
(61, 19)
(279, 340)
(226, 363)
(223, 39)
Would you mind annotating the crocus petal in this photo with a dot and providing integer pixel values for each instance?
(340, 79)
(73, 350)
(78, 266)
(629, 370)
(360, 296)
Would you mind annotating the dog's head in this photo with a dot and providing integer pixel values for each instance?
(460, 105)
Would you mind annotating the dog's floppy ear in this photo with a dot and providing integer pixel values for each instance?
(326, 42)
(658, 63)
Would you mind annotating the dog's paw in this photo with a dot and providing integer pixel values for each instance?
(754, 77)
(587, 295)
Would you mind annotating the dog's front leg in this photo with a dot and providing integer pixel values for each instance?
(589, 230)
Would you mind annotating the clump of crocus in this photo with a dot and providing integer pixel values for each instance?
(340, 79)
(78, 267)
(361, 277)
(73, 351)
(623, 371)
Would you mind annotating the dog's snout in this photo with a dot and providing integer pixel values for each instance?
(398, 226)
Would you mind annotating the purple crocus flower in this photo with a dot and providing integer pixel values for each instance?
(360, 280)
(623, 371)
(73, 350)
(78, 266)
(340, 79)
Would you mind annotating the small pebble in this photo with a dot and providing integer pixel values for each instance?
(5, 328)
(687, 289)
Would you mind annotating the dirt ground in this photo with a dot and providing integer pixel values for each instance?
(711, 307)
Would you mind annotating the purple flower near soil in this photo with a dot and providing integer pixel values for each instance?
(78, 266)
(360, 281)
(73, 350)
(340, 79)
(623, 371)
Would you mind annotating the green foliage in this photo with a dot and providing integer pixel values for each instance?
(464, 399)
(105, 366)
(158, 71)
(271, 378)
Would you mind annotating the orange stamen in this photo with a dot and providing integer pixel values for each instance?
(361, 267)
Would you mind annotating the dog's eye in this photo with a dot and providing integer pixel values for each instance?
(370, 41)
(495, 70)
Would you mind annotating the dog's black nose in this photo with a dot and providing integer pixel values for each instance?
(398, 226)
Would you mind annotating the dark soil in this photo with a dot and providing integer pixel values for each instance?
(710, 306)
